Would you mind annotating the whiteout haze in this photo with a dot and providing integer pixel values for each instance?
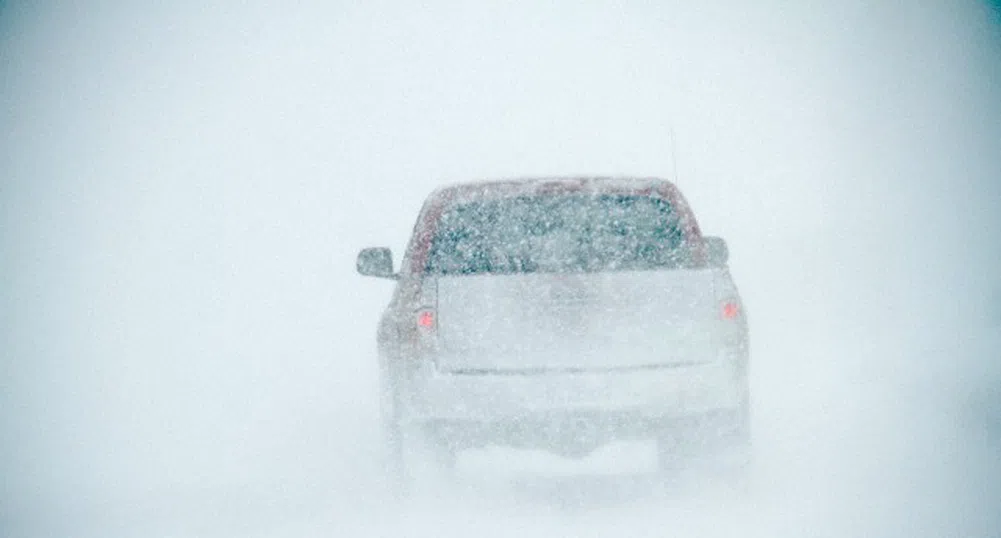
(187, 349)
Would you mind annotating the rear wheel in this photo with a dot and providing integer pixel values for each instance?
(395, 449)
(673, 454)
(415, 456)
(444, 454)
(718, 451)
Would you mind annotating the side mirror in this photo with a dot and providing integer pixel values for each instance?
(376, 261)
(717, 253)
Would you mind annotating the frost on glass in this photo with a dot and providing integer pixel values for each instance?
(580, 233)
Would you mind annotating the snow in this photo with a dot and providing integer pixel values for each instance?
(187, 350)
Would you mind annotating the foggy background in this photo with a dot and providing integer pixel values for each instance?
(187, 350)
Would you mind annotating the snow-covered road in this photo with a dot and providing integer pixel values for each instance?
(836, 458)
(187, 350)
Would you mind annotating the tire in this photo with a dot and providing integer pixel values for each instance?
(672, 455)
(415, 457)
(726, 460)
(396, 466)
(445, 456)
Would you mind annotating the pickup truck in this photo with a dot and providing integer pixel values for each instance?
(560, 314)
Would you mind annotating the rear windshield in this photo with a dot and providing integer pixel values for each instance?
(571, 233)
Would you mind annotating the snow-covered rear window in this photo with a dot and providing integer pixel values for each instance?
(557, 233)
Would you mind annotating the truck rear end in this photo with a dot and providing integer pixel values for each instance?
(564, 319)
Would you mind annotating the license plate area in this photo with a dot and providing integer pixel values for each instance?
(508, 394)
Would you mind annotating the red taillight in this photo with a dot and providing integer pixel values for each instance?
(730, 310)
(425, 319)
(423, 334)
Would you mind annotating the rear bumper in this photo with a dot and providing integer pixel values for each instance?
(578, 433)
(659, 394)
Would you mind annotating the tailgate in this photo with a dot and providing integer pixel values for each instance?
(583, 321)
